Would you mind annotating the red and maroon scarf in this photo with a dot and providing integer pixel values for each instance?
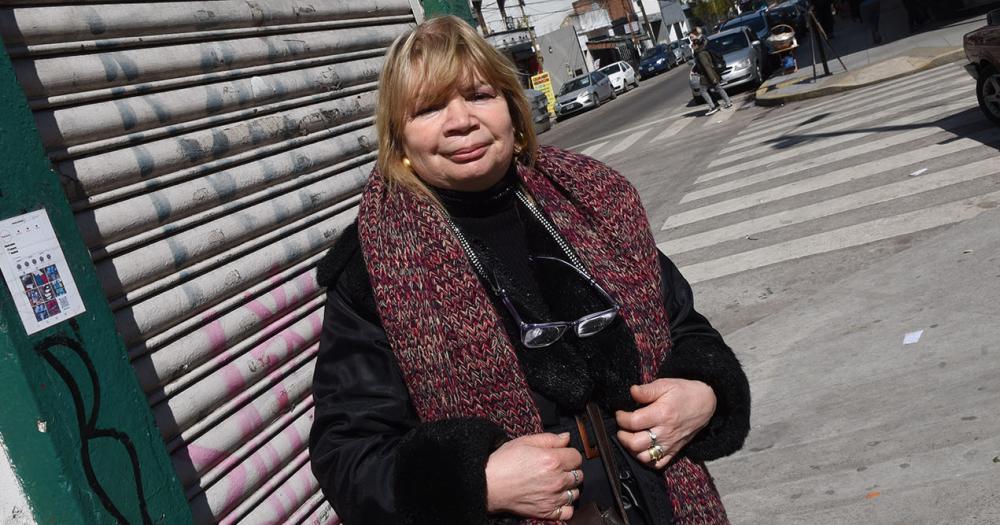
(448, 338)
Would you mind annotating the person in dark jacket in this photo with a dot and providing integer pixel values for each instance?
(824, 15)
(705, 61)
(497, 304)
(871, 12)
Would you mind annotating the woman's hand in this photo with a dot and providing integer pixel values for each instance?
(674, 411)
(534, 476)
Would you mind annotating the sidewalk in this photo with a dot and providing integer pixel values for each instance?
(852, 425)
(901, 54)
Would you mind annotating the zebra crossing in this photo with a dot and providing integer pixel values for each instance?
(865, 167)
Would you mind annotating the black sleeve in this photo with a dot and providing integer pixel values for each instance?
(699, 353)
(375, 462)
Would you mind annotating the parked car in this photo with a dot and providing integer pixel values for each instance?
(743, 60)
(583, 92)
(539, 110)
(982, 47)
(681, 50)
(621, 75)
(654, 61)
(791, 13)
(756, 21)
(760, 29)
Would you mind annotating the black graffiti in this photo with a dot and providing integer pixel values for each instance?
(87, 424)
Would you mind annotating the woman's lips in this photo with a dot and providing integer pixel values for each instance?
(468, 154)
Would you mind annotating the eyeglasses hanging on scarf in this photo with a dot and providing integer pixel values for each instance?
(540, 335)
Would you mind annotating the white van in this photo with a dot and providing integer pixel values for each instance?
(622, 76)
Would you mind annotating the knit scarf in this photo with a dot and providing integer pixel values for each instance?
(448, 338)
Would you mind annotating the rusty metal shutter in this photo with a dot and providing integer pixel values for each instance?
(212, 151)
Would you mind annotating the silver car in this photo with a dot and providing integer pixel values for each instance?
(681, 50)
(583, 92)
(743, 60)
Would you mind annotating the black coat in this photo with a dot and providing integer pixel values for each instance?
(377, 463)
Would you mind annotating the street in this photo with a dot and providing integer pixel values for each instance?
(847, 248)
(760, 207)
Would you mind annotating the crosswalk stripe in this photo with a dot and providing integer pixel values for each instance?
(924, 117)
(674, 128)
(625, 143)
(723, 115)
(862, 106)
(638, 126)
(592, 149)
(849, 124)
(841, 238)
(943, 73)
(833, 178)
(829, 158)
(861, 199)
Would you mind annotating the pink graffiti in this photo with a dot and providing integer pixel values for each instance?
(203, 455)
(237, 480)
(214, 331)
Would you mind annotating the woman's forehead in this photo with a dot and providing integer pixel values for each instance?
(423, 87)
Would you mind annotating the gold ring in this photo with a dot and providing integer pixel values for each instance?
(655, 453)
(569, 498)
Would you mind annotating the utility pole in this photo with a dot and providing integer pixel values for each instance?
(531, 32)
(646, 24)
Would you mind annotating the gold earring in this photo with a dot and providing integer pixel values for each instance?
(518, 142)
(406, 162)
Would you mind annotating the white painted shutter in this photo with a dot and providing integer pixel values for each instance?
(212, 151)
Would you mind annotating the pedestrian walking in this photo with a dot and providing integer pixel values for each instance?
(708, 64)
(871, 12)
(502, 340)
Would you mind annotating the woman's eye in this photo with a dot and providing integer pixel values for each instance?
(425, 111)
(482, 95)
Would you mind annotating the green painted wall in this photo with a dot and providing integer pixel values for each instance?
(100, 458)
(459, 8)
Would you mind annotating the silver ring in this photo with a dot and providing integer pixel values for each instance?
(569, 498)
(652, 437)
(576, 477)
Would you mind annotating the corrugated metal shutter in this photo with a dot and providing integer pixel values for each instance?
(212, 151)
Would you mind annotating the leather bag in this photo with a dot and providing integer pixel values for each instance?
(590, 514)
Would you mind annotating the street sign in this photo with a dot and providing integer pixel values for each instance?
(542, 82)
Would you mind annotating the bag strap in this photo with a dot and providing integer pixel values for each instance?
(607, 457)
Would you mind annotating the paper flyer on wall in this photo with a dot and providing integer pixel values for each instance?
(36, 272)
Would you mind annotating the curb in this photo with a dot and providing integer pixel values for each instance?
(765, 99)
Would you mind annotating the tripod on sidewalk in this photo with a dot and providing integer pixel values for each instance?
(816, 30)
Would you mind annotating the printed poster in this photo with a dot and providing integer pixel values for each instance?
(36, 272)
(543, 83)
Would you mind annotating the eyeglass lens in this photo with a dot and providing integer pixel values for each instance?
(591, 325)
(539, 336)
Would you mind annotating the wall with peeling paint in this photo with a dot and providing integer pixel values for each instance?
(211, 153)
(14, 508)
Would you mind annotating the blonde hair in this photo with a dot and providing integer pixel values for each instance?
(425, 67)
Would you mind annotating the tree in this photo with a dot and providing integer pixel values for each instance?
(711, 11)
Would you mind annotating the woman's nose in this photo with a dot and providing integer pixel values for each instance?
(458, 116)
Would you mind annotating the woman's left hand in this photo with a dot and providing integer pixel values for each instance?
(673, 411)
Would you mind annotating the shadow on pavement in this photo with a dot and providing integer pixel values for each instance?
(969, 123)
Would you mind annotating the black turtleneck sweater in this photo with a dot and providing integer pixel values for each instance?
(370, 452)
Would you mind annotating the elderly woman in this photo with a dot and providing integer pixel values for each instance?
(503, 343)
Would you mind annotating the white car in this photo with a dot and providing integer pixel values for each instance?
(622, 76)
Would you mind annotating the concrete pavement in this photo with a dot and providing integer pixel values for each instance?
(853, 425)
(900, 55)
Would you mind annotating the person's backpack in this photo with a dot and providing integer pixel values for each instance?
(718, 62)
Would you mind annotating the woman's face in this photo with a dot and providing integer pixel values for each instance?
(465, 143)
